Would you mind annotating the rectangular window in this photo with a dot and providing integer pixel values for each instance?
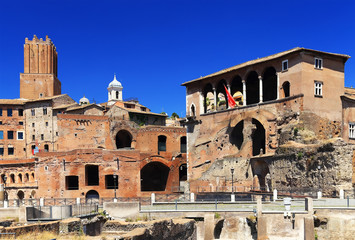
(1, 134)
(318, 63)
(318, 89)
(20, 123)
(42, 136)
(1, 151)
(352, 130)
(20, 112)
(0, 122)
(33, 112)
(284, 65)
(46, 124)
(33, 137)
(9, 112)
(10, 134)
(33, 124)
(71, 182)
(10, 150)
(19, 135)
(45, 111)
(0, 112)
(111, 181)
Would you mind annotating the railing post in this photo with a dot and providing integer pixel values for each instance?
(348, 201)
(175, 205)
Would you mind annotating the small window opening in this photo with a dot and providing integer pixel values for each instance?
(161, 143)
(71, 182)
(9, 112)
(92, 175)
(111, 181)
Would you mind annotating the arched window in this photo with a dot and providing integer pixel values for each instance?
(161, 143)
(20, 177)
(286, 89)
(154, 177)
(116, 94)
(269, 84)
(208, 99)
(27, 177)
(222, 102)
(123, 139)
(258, 138)
(237, 90)
(193, 110)
(12, 178)
(252, 85)
(237, 137)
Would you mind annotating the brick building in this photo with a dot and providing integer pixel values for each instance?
(51, 146)
(285, 102)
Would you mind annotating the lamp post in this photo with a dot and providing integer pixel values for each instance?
(232, 171)
(114, 183)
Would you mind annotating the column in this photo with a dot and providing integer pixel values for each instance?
(260, 89)
(244, 93)
(215, 98)
(278, 86)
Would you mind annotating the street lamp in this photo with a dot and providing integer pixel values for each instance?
(5, 178)
(232, 171)
(114, 183)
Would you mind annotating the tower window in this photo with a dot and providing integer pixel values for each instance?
(318, 63)
(284, 65)
(116, 94)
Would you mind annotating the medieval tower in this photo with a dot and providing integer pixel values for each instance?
(39, 78)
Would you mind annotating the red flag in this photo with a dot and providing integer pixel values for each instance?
(231, 102)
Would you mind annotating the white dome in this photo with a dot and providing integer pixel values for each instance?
(84, 100)
(115, 83)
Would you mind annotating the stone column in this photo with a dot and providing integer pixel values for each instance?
(260, 89)
(278, 86)
(244, 93)
(215, 98)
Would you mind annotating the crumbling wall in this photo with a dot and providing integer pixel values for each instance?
(325, 166)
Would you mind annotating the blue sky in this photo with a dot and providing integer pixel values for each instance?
(155, 45)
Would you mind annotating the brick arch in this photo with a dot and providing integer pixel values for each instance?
(155, 159)
(123, 126)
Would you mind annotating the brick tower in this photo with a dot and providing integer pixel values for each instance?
(39, 78)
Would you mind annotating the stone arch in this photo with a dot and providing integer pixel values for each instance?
(92, 194)
(154, 176)
(269, 84)
(222, 102)
(218, 229)
(260, 169)
(252, 85)
(237, 90)
(237, 137)
(208, 98)
(123, 139)
(12, 178)
(32, 177)
(20, 194)
(258, 138)
(286, 89)
(19, 177)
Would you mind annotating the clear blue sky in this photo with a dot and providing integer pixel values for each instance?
(155, 45)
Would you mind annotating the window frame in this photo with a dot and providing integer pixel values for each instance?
(318, 63)
(283, 65)
(351, 130)
(17, 135)
(8, 151)
(318, 88)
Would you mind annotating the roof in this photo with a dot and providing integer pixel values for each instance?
(264, 59)
(142, 112)
(83, 106)
(46, 98)
(65, 106)
(13, 101)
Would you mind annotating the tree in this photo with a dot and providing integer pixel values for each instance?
(174, 116)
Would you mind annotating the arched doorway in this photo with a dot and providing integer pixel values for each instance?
(237, 137)
(252, 85)
(123, 139)
(92, 196)
(208, 99)
(260, 169)
(183, 172)
(154, 177)
(20, 195)
(286, 89)
(258, 138)
(269, 84)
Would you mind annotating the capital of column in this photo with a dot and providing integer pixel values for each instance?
(243, 81)
(260, 77)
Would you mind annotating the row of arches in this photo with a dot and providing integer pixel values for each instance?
(18, 178)
(124, 140)
(253, 89)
